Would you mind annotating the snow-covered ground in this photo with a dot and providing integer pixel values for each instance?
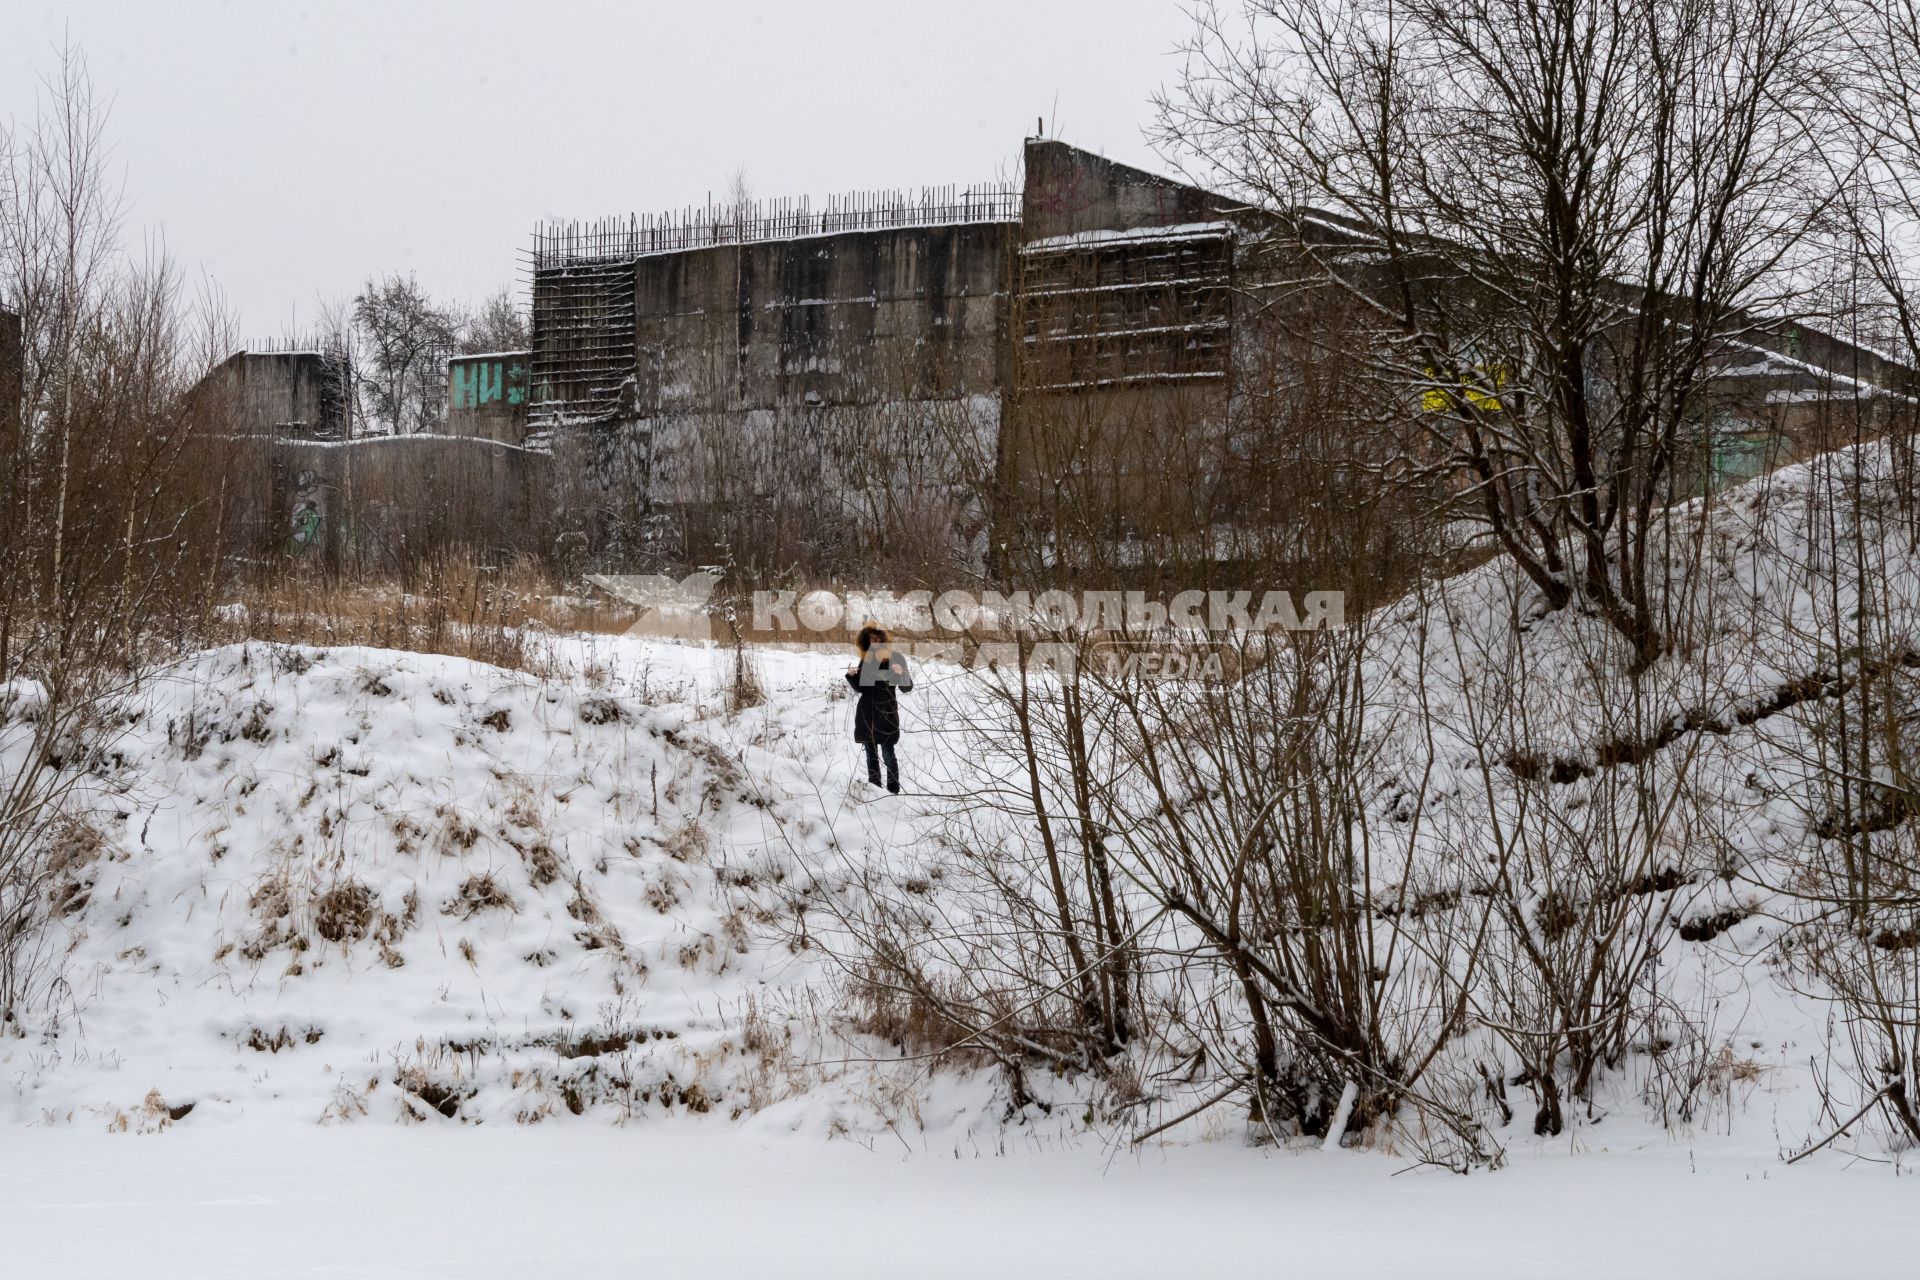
(686, 1200)
(385, 963)
(347, 883)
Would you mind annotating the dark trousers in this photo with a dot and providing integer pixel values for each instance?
(873, 765)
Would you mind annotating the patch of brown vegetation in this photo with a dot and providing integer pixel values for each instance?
(452, 604)
(479, 893)
(344, 913)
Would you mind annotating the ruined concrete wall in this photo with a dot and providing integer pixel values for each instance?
(487, 396)
(1069, 191)
(386, 503)
(794, 393)
(295, 393)
(902, 313)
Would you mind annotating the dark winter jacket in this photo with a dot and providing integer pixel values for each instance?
(877, 718)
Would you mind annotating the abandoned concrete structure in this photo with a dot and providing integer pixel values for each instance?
(487, 396)
(1100, 365)
(342, 499)
(293, 394)
(719, 363)
(921, 359)
(734, 310)
(896, 358)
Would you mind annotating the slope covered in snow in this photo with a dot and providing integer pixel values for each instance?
(358, 885)
(338, 883)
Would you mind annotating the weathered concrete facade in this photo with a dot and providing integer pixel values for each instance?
(1065, 333)
(297, 394)
(847, 319)
(1069, 191)
(1109, 359)
(1150, 316)
(793, 384)
(488, 394)
(1123, 319)
(385, 504)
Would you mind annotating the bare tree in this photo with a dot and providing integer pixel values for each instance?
(110, 505)
(1558, 218)
(408, 339)
(1257, 830)
(739, 192)
(499, 323)
(1849, 752)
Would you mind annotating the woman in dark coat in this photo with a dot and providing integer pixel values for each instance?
(876, 720)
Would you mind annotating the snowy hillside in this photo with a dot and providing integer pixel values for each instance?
(359, 885)
(341, 883)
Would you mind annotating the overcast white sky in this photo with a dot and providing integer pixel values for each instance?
(293, 149)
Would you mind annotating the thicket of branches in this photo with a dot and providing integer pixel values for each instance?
(111, 499)
(1558, 220)
(1386, 878)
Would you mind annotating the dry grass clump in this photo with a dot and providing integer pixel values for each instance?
(908, 1016)
(260, 1041)
(73, 845)
(438, 1095)
(344, 913)
(599, 711)
(687, 843)
(457, 833)
(590, 1043)
(582, 906)
(543, 865)
(479, 893)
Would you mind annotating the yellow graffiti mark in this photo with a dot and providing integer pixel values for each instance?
(1479, 391)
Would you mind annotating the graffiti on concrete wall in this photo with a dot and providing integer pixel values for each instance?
(308, 522)
(478, 383)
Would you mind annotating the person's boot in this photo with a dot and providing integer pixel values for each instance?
(893, 783)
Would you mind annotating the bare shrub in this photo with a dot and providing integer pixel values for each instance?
(744, 687)
(1253, 829)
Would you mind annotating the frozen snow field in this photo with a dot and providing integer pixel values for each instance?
(702, 1199)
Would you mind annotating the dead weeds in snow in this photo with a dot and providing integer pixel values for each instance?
(451, 605)
(480, 892)
(344, 913)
